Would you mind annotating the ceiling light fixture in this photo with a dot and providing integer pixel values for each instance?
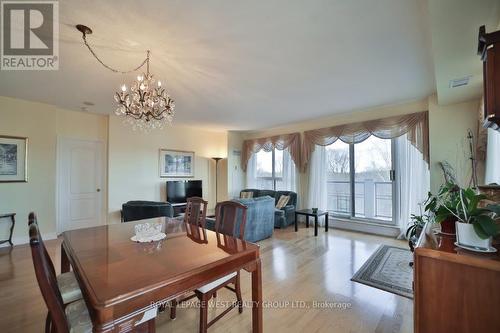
(148, 105)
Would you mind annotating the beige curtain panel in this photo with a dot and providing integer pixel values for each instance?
(416, 125)
(280, 142)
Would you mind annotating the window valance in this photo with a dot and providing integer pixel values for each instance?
(280, 142)
(416, 125)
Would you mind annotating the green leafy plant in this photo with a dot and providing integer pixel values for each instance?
(463, 204)
(417, 223)
(444, 203)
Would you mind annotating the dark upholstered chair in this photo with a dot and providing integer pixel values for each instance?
(73, 317)
(282, 217)
(140, 210)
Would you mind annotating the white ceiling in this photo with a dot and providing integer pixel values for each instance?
(242, 64)
(454, 28)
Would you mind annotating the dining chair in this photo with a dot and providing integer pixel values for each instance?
(227, 215)
(196, 211)
(67, 283)
(65, 318)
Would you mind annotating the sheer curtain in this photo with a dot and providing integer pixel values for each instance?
(413, 181)
(318, 178)
(493, 158)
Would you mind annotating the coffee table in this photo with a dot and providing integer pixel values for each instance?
(309, 212)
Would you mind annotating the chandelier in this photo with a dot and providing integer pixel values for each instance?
(147, 105)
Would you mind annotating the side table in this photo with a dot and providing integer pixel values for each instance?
(309, 212)
(13, 221)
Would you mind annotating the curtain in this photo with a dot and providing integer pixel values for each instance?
(280, 142)
(318, 178)
(415, 125)
(288, 182)
(493, 158)
(413, 182)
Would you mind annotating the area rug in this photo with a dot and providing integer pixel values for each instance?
(388, 269)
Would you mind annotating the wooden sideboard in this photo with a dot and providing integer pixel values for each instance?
(455, 290)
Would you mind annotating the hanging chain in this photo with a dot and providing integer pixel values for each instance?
(146, 61)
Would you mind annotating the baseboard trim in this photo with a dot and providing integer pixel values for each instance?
(26, 240)
(369, 228)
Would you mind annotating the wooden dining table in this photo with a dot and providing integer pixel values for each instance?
(123, 282)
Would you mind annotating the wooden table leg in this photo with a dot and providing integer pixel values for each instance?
(316, 225)
(307, 221)
(64, 260)
(326, 222)
(257, 324)
(296, 223)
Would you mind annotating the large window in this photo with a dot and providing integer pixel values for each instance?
(273, 170)
(361, 179)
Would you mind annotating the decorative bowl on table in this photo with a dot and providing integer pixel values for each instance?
(148, 232)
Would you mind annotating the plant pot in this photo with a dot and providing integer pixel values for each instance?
(466, 235)
(448, 226)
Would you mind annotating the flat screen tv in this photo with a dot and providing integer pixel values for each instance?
(178, 191)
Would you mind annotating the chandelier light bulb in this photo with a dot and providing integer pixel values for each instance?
(140, 78)
(142, 87)
(159, 83)
(124, 88)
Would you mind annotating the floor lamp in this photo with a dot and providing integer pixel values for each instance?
(216, 159)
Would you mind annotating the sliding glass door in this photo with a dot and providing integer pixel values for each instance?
(361, 180)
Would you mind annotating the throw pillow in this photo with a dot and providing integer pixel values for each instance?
(246, 195)
(283, 201)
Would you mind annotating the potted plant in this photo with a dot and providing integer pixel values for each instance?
(415, 227)
(442, 205)
(476, 226)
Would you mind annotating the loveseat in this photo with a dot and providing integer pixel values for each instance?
(282, 217)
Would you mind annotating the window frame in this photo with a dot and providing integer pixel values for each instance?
(273, 178)
(352, 181)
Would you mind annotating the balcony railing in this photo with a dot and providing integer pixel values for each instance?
(373, 200)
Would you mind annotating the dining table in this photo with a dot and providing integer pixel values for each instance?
(123, 281)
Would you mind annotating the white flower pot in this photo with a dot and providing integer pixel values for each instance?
(466, 235)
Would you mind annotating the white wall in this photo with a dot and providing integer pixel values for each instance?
(42, 124)
(235, 175)
(448, 127)
(133, 162)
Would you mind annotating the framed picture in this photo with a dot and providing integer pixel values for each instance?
(176, 163)
(13, 159)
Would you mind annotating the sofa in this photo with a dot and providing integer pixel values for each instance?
(140, 210)
(282, 217)
(260, 218)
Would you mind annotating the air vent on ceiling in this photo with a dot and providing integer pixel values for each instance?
(460, 82)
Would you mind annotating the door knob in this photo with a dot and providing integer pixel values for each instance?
(98, 190)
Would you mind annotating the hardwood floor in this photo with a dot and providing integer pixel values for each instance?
(297, 267)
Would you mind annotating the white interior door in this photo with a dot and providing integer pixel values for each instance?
(80, 184)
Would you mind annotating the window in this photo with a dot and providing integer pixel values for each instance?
(361, 179)
(271, 170)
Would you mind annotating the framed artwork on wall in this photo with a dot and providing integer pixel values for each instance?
(13, 159)
(176, 163)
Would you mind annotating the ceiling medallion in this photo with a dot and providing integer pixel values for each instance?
(148, 105)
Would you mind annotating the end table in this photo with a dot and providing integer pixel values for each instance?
(309, 212)
(13, 221)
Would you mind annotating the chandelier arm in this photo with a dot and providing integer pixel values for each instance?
(146, 61)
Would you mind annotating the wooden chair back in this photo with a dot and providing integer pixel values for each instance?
(196, 211)
(33, 219)
(226, 216)
(47, 280)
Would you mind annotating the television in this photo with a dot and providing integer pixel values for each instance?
(178, 191)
